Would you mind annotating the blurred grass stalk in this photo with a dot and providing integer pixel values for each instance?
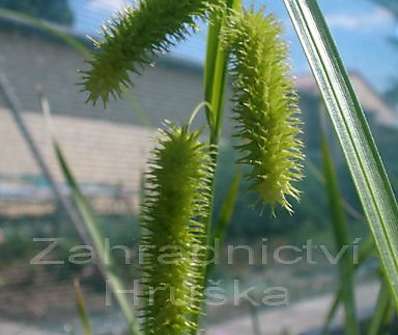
(342, 238)
(53, 29)
(82, 309)
(382, 313)
(366, 250)
(362, 156)
(106, 263)
(215, 72)
(227, 209)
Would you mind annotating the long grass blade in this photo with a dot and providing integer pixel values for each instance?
(332, 312)
(380, 315)
(50, 28)
(91, 233)
(227, 208)
(313, 171)
(366, 250)
(81, 309)
(366, 167)
(342, 239)
(90, 220)
(215, 73)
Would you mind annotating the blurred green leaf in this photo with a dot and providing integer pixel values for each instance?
(215, 73)
(90, 220)
(227, 208)
(366, 250)
(381, 312)
(342, 238)
(314, 171)
(53, 29)
(81, 309)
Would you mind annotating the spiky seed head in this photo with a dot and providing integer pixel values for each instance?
(265, 106)
(134, 36)
(174, 214)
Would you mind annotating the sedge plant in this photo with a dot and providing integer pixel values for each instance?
(179, 187)
(177, 205)
(178, 193)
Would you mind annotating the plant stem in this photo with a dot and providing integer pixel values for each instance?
(214, 92)
(214, 88)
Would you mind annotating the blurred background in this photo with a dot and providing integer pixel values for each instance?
(43, 44)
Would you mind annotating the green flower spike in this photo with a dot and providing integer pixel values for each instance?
(133, 37)
(265, 106)
(175, 210)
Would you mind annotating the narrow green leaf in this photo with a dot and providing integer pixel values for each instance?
(214, 91)
(52, 29)
(227, 208)
(317, 174)
(342, 238)
(215, 72)
(380, 315)
(214, 81)
(105, 260)
(332, 311)
(366, 167)
(210, 64)
(366, 250)
(81, 309)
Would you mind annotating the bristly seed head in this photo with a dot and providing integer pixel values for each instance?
(265, 106)
(174, 215)
(134, 36)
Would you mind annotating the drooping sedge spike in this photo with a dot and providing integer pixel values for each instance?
(134, 36)
(175, 210)
(265, 106)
